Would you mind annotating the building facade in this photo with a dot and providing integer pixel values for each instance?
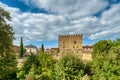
(54, 50)
(87, 48)
(70, 43)
(31, 49)
(73, 44)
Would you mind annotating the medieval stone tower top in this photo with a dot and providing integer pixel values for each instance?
(70, 43)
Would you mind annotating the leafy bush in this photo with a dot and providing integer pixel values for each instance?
(106, 60)
(69, 67)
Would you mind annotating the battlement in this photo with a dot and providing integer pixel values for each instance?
(70, 43)
(70, 35)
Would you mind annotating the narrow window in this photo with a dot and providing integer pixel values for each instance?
(75, 42)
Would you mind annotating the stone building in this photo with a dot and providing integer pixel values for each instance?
(87, 52)
(54, 50)
(70, 43)
(31, 49)
(87, 48)
(47, 50)
(73, 44)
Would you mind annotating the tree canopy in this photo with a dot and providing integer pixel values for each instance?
(42, 48)
(8, 61)
(106, 60)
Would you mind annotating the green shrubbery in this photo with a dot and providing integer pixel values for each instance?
(69, 67)
(38, 67)
(106, 60)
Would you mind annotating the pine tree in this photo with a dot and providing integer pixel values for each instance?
(21, 48)
(42, 48)
(8, 62)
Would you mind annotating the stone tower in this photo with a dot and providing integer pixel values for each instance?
(70, 43)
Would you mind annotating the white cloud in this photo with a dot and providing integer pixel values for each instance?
(67, 16)
(73, 8)
(111, 21)
(111, 16)
(107, 33)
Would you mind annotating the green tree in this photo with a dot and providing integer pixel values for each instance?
(28, 62)
(21, 52)
(101, 47)
(8, 63)
(47, 65)
(69, 67)
(116, 43)
(106, 60)
(38, 67)
(42, 48)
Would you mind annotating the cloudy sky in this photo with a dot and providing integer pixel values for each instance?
(41, 21)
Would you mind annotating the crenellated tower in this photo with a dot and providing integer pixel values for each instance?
(70, 43)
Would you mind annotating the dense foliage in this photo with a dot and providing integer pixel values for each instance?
(30, 62)
(7, 57)
(106, 60)
(69, 67)
(37, 67)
